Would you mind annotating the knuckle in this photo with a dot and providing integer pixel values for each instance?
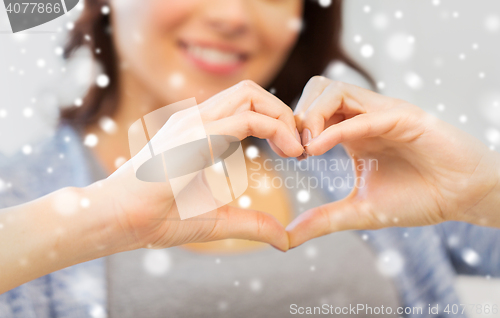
(366, 217)
(218, 229)
(246, 118)
(317, 79)
(337, 85)
(281, 126)
(261, 224)
(247, 84)
(324, 214)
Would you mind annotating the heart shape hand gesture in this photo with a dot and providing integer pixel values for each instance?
(428, 171)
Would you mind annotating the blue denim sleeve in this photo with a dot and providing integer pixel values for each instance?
(473, 249)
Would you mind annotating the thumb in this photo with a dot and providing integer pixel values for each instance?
(249, 225)
(346, 214)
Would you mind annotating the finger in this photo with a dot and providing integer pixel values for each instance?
(333, 100)
(323, 100)
(247, 96)
(249, 225)
(254, 124)
(276, 149)
(332, 217)
(393, 124)
(311, 91)
(369, 100)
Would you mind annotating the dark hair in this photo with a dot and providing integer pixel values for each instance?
(319, 43)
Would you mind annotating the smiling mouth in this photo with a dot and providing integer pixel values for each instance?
(213, 59)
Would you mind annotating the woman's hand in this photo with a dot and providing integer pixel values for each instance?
(120, 213)
(428, 171)
(146, 211)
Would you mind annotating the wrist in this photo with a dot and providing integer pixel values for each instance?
(67, 227)
(486, 211)
(104, 222)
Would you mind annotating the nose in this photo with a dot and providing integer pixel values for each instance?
(229, 18)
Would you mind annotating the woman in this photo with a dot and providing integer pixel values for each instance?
(159, 52)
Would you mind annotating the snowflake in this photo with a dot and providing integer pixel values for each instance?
(303, 196)
(325, 3)
(244, 201)
(108, 125)
(157, 262)
(256, 285)
(367, 51)
(102, 80)
(105, 10)
(27, 149)
(28, 112)
(252, 152)
(413, 80)
(471, 257)
(91, 140)
(400, 46)
(119, 162)
(390, 263)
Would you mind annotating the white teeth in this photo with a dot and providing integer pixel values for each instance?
(213, 56)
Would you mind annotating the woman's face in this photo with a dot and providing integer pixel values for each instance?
(177, 49)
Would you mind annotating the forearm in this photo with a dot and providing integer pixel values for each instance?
(64, 228)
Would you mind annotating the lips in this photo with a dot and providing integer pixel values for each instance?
(213, 58)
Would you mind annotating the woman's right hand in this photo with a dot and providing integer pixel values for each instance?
(146, 213)
(120, 213)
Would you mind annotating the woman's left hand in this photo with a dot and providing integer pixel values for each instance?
(428, 171)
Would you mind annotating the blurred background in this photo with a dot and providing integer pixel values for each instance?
(441, 55)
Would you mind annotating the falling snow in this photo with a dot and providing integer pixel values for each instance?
(492, 23)
(66, 202)
(157, 262)
(3, 186)
(493, 136)
(102, 80)
(325, 3)
(108, 125)
(78, 102)
(91, 140)
(303, 196)
(390, 263)
(244, 201)
(367, 51)
(256, 285)
(252, 152)
(471, 257)
(28, 112)
(105, 10)
(27, 149)
(400, 46)
(119, 162)
(413, 80)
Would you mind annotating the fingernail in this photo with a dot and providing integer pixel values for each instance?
(279, 249)
(309, 143)
(297, 136)
(306, 137)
